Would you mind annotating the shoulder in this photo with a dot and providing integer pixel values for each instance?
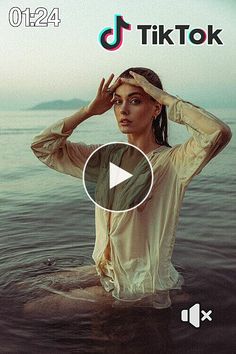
(165, 156)
(167, 150)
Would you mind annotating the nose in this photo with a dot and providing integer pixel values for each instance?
(124, 108)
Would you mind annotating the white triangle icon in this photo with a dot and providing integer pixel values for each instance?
(117, 175)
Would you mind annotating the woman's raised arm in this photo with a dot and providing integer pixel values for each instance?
(53, 149)
(51, 145)
(209, 136)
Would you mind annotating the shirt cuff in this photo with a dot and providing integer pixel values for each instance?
(176, 108)
(57, 128)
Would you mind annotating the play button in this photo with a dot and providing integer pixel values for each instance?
(117, 177)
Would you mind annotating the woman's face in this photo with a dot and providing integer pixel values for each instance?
(134, 109)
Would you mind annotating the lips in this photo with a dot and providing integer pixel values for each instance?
(125, 121)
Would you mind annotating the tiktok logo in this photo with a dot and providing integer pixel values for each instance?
(159, 35)
(119, 25)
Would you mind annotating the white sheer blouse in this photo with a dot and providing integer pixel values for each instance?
(133, 249)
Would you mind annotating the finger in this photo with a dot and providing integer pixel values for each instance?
(108, 81)
(129, 81)
(101, 86)
(134, 74)
(117, 83)
(113, 97)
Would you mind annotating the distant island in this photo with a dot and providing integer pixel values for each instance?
(60, 104)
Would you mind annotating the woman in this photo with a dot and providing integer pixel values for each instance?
(133, 249)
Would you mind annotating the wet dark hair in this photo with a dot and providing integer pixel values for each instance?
(159, 124)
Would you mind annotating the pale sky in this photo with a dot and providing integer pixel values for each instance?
(65, 62)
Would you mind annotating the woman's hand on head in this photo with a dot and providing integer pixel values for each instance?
(138, 80)
(103, 100)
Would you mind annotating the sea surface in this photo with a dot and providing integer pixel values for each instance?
(46, 214)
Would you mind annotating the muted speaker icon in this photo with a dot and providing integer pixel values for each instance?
(193, 315)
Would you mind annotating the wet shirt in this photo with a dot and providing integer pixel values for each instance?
(133, 249)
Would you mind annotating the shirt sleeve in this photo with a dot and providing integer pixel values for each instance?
(54, 150)
(209, 136)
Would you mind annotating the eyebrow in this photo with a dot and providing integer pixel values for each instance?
(131, 94)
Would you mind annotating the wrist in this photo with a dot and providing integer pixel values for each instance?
(168, 100)
(86, 113)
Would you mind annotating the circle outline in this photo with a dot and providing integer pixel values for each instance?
(151, 185)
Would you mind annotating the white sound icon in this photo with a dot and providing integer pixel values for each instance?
(192, 315)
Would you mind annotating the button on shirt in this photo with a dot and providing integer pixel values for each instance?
(133, 249)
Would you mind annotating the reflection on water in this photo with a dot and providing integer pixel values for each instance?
(125, 331)
(102, 331)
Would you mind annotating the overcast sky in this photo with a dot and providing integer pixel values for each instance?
(65, 62)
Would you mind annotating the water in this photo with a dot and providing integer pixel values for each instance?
(45, 214)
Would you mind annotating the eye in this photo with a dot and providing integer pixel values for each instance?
(132, 101)
(135, 101)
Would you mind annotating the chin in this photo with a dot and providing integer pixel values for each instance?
(126, 130)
